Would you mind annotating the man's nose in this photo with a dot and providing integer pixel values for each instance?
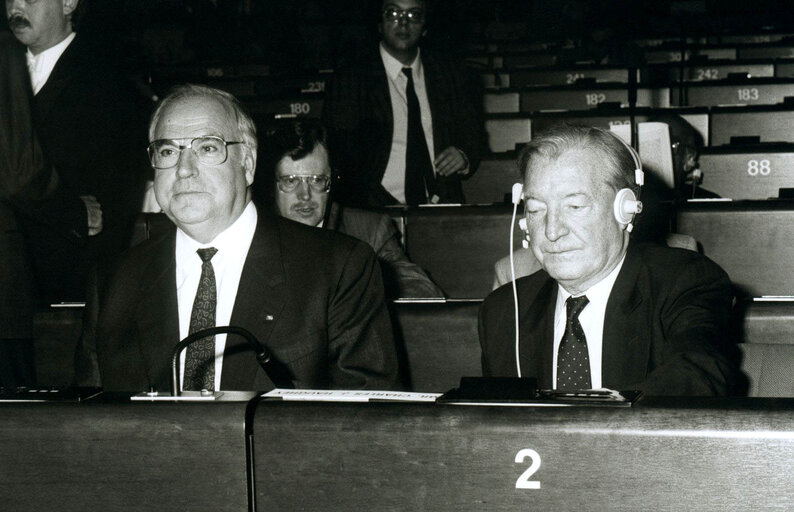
(186, 164)
(555, 226)
(304, 191)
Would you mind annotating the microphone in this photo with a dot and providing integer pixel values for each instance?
(272, 368)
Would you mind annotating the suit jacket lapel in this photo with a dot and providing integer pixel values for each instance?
(625, 347)
(537, 335)
(157, 313)
(62, 75)
(260, 299)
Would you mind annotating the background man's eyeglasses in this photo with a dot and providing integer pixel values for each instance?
(394, 15)
(210, 150)
(317, 182)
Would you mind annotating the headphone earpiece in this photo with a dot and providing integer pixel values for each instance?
(522, 225)
(625, 207)
(517, 192)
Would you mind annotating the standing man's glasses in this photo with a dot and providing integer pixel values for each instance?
(394, 15)
(210, 150)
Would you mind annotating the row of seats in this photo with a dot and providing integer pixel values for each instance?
(583, 96)
(658, 74)
(754, 171)
(717, 125)
(458, 245)
(440, 344)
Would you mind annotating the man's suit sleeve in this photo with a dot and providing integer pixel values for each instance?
(405, 277)
(698, 356)
(362, 353)
(27, 180)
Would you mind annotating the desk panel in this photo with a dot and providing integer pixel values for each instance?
(719, 456)
(123, 456)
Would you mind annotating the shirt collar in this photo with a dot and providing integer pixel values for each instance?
(394, 68)
(50, 55)
(227, 242)
(599, 292)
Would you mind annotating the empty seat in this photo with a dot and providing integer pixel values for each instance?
(458, 245)
(705, 71)
(579, 97)
(567, 75)
(493, 180)
(505, 132)
(766, 51)
(752, 240)
(755, 171)
(441, 343)
(503, 102)
(763, 91)
(769, 123)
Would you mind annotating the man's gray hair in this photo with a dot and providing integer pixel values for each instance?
(551, 144)
(244, 122)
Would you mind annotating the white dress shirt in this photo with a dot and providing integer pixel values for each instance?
(232, 244)
(40, 66)
(394, 177)
(592, 320)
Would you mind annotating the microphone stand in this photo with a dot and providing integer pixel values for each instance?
(271, 367)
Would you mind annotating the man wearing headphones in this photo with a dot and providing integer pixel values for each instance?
(604, 311)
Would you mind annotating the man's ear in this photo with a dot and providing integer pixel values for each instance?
(69, 6)
(249, 166)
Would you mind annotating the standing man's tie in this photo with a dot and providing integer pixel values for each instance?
(419, 176)
(200, 356)
(573, 361)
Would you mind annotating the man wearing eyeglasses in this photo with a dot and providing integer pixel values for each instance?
(313, 298)
(404, 125)
(298, 154)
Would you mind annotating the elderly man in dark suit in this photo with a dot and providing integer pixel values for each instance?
(89, 127)
(404, 126)
(605, 311)
(313, 297)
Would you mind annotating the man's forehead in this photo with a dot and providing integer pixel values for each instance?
(315, 162)
(194, 116)
(573, 171)
(405, 5)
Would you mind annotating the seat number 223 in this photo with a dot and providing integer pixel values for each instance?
(524, 481)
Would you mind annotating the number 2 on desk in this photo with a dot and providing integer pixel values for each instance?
(523, 481)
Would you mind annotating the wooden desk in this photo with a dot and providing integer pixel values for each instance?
(123, 456)
(698, 455)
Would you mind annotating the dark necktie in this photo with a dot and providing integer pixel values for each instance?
(573, 362)
(419, 178)
(200, 356)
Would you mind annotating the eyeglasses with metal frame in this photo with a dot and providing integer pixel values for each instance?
(209, 149)
(317, 182)
(395, 15)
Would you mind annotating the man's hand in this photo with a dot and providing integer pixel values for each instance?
(450, 161)
(94, 211)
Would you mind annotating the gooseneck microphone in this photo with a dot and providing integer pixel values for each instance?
(272, 368)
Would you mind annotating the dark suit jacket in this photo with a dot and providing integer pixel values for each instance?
(313, 297)
(93, 134)
(357, 112)
(29, 189)
(665, 330)
(401, 276)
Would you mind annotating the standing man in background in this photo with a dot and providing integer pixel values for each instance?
(85, 115)
(404, 126)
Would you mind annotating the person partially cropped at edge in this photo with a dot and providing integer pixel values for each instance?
(605, 311)
(312, 297)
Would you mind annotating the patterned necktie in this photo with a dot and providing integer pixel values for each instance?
(419, 178)
(573, 361)
(200, 356)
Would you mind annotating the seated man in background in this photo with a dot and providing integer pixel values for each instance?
(312, 297)
(298, 157)
(605, 311)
